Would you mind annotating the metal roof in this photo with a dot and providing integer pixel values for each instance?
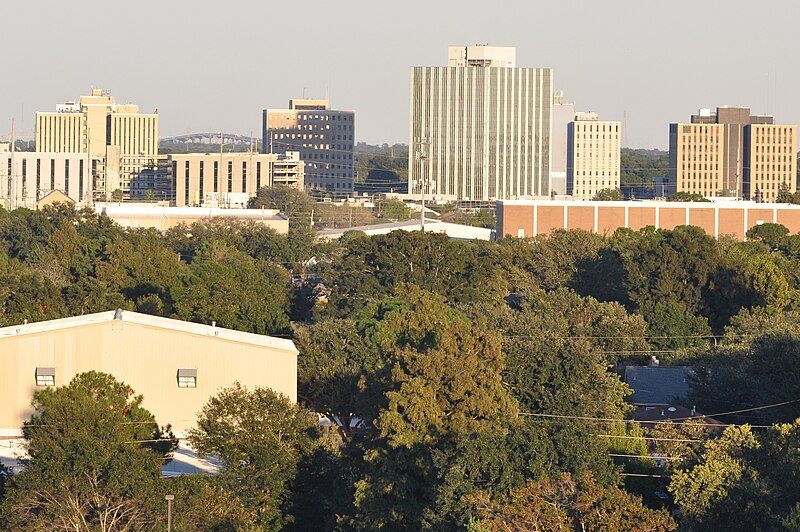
(128, 316)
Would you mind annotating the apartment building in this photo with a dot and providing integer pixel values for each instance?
(324, 138)
(480, 126)
(770, 161)
(109, 132)
(593, 155)
(225, 179)
(714, 155)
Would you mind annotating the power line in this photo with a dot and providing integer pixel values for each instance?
(649, 438)
(616, 455)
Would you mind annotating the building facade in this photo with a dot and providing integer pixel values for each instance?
(324, 138)
(531, 218)
(713, 154)
(109, 132)
(480, 127)
(563, 113)
(207, 179)
(27, 177)
(177, 366)
(770, 161)
(593, 155)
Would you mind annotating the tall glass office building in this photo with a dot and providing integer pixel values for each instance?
(480, 127)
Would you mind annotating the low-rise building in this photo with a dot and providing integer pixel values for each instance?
(200, 177)
(454, 231)
(177, 366)
(531, 218)
(162, 217)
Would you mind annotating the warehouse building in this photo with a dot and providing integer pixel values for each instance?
(176, 365)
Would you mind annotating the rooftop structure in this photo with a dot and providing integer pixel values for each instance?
(132, 215)
(454, 231)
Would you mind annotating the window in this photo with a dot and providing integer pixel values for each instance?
(244, 176)
(230, 176)
(216, 176)
(187, 378)
(45, 376)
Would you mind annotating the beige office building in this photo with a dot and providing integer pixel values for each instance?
(177, 366)
(480, 127)
(697, 155)
(206, 178)
(770, 160)
(109, 132)
(713, 154)
(27, 177)
(593, 155)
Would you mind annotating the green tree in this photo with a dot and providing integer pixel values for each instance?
(608, 194)
(94, 454)
(564, 504)
(442, 384)
(686, 196)
(261, 437)
(236, 291)
(393, 209)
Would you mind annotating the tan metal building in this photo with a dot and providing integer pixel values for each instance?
(177, 366)
(162, 218)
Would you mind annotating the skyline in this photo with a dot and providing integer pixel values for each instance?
(645, 67)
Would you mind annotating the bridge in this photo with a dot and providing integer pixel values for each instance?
(212, 138)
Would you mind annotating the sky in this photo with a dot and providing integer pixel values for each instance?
(215, 66)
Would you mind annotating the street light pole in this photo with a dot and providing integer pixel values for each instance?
(169, 499)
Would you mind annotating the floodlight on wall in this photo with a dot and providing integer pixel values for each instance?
(187, 378)
(45, 376)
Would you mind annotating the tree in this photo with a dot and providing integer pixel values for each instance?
(116, 195)
(672, 326)
(236, 291)
(563, 503)
(292, 202)
(261, 437)
(686, 196)
(742, 481)
(334, 359)
(393, 209)
(370, 269)
(608, 194)
(94, 454)
(442, 384)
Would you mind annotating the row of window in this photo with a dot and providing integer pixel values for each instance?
(186, 378)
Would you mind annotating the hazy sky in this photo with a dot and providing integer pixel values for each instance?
(211, 66)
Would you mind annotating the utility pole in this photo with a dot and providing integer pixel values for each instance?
(169, 499)
(422, 156)
(12, 190)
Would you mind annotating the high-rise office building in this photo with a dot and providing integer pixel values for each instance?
(115, 137)
(593, 155)
(731, 152)
(480, 127)
(563, 113)
(325, 139)
(770, 160)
